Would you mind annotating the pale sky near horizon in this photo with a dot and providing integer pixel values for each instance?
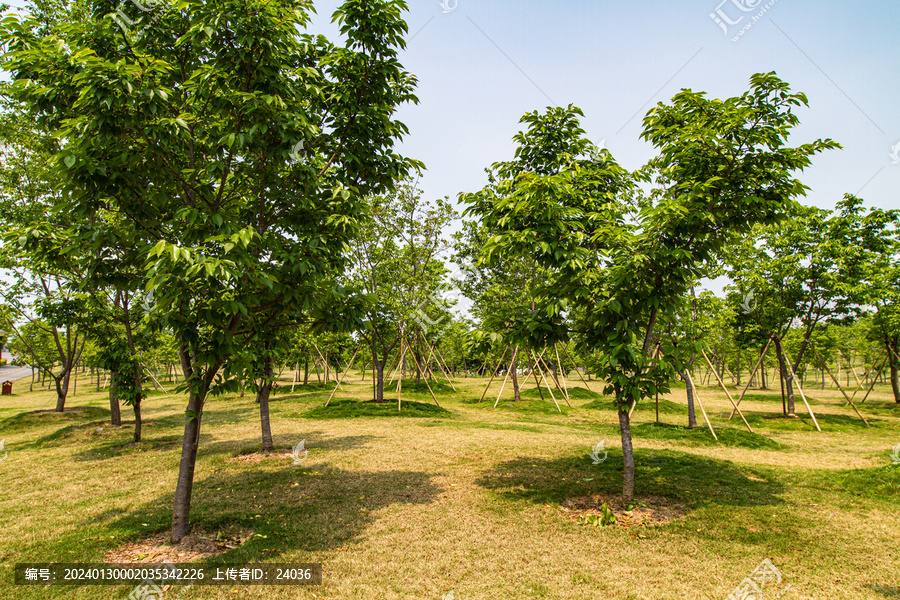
(482, 64)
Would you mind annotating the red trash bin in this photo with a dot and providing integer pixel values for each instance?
(7, 388)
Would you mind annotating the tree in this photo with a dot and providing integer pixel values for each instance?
(799, 273)
(875, 255)
(396, 263)
(236, 148)
(501, 291)
(627, 261)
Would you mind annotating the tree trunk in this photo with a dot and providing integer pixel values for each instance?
(189, 446)
(62, 389)
(627, 455)
(517, 393)
(138, 422)
(379, 381)
(692, 415)
(895, 371)
(788, 378)
(306, 370)
(114, 411)
(262, 396)
(762, 372)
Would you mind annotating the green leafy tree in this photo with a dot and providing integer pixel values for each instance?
(627, 261)
(235, 146)
(397, 265)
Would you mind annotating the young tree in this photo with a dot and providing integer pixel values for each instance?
(628, 262)
(396, 263)
(236, 147)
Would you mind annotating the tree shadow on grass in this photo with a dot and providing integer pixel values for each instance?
(313, 441)
(76, 416)
(885, 590)
(294, 508)
(211, 417)
(694, 481)
(828, 422)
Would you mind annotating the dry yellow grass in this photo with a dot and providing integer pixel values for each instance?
(417, 507)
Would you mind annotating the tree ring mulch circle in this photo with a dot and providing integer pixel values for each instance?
(648, 511)
(194, 547)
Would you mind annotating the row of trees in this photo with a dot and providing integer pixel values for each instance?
(223, 189)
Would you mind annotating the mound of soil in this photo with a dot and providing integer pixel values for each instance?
(647, 511)
(194, 547)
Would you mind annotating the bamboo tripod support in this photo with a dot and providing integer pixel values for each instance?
(750, 379)
(494, 374)
(722, 384)
(343, 375)
(700, 403)
(824, 364)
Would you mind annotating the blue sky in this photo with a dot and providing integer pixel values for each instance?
(481, 65)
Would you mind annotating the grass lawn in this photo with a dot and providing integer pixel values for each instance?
(489, 503)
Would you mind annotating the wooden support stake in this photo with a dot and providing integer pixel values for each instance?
(874, 380)
(700, 403)
(400, 381)
(722, 384)
(343, 375)
(425, 379)
(500, 362)
(547, 369)
(562, 371)
(752, 373)
(861, 384)
(800, 387)
(155, 381)
(549, 388)
(441, 359)
(575, 366)
(430, 354)
(824, 364)
(512, 358)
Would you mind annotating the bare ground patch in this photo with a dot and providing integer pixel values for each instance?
(646, 511)
(192, 548)
(258, 457)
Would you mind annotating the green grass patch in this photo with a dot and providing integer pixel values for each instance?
(687, 478)
(665, 406)
(77, 416)
(313, 386)
(349, 409)
(880, 483)
(411, 387)
(700, 436)
(524, 406)
(802, 422)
